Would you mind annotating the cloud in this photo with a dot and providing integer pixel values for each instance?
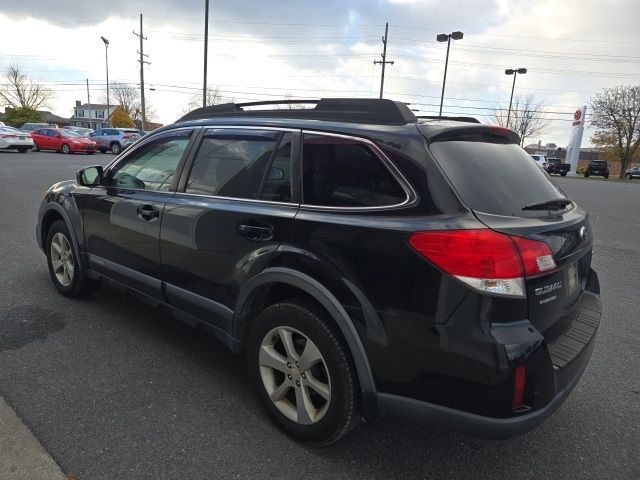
(572, 49)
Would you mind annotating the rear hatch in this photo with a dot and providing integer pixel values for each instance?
(507, 192)
(597, 166)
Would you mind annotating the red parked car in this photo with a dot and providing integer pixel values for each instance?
(65, 141)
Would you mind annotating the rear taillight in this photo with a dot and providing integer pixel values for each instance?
(486, 260)
(7, 135)
(127, 137)
(519, 385)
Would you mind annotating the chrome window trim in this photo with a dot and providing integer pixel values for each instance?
(410, 194)
(238, 199)
(248, 127)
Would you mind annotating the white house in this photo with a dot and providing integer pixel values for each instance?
(95, 117)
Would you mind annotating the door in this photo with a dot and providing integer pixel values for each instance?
(46, 139)
(230, 213)
(122, 218)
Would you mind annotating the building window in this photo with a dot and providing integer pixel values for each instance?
(80, 113)
(99, 113)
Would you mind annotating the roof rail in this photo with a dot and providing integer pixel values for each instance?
(360, 110)
(455, 119)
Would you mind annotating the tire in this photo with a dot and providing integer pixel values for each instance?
(563, 174)
(63, 263)
(116, 148)
(35, 147)
(65, 148)
(606, 176)
(629, 177)
(23, 149)
(327, 382)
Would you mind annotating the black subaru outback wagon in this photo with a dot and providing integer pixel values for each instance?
(366, 262)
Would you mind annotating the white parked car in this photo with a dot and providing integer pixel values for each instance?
(541, 160)
(14, 139)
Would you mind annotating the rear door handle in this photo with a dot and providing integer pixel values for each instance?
(256, 233)
(148, 213)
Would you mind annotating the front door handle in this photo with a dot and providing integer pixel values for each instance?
(148, 213)
(256, 233)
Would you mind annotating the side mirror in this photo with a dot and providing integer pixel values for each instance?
(89, 176)
(275, 174)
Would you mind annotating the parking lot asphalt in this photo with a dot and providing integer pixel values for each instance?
(113, 389)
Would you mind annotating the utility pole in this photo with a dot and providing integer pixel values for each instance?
(206, 48)
(384, 57)
(89, 102)
(142, 61)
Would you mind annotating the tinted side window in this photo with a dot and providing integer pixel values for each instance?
(341, 172)
(153, 165)
(232, 163)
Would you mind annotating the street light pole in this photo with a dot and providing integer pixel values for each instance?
(514, 72)
(106, 58)
(206, 48)
(446, 37)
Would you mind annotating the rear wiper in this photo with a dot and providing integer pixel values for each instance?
(555, 204)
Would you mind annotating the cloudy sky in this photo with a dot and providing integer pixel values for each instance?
(310, 49)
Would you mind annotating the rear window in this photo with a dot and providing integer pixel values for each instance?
(494, 178)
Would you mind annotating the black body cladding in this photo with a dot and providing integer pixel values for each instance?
(413, 331)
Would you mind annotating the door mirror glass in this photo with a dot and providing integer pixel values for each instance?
(89, 176)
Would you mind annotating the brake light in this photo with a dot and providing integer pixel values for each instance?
(486, 260)
(537, 257)
(127, 137)
(519, 385)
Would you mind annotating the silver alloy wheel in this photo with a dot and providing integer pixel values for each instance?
(115, 148)
(62, 259)
(295, 375)
(65, 148)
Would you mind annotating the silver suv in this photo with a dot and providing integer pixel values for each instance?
(114, 139)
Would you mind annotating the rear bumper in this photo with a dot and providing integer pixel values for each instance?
(569, 353)
(477, 425)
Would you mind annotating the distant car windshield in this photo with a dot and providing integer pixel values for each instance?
(70, 133)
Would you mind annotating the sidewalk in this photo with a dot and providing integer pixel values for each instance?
(21, 455)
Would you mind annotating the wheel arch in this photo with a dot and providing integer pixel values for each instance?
(251, 292)
(52, 212)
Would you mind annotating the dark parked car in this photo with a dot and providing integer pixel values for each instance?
(114, 140)
(555, 165)
(348, 254)
(31, 127)
(597, 168)
(633, 172)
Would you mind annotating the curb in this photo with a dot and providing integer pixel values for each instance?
(21, 454)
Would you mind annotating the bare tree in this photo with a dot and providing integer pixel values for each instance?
(527, 118)
(214, 97)
(616, 117)
(292, 106)
(127, 95)
(20, 91)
